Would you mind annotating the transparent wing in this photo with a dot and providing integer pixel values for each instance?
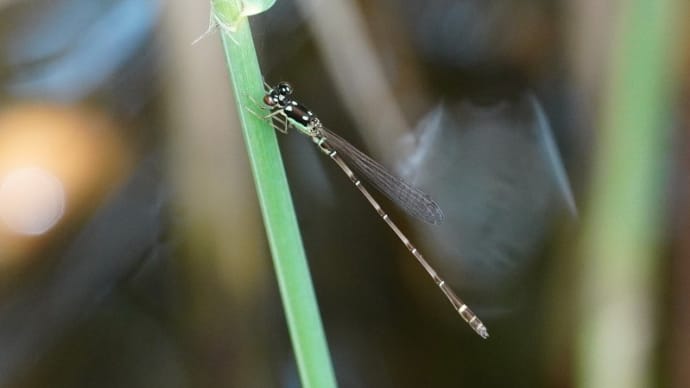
(409, 198)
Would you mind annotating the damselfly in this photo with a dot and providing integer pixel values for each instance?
(289, 113)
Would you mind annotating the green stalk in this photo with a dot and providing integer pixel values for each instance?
(620, 259)
(292, 271)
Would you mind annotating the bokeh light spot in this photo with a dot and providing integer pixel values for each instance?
(32, 200)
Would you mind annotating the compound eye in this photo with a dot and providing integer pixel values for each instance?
(284, 88)
(268, 100)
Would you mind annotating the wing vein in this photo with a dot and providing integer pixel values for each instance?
(409, 198)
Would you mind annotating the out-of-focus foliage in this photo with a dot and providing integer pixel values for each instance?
(131, 248)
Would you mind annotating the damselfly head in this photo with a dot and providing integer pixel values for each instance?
(279, 95)
(284, 88)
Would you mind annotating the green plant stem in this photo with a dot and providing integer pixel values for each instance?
(292, 272)
(619, 256)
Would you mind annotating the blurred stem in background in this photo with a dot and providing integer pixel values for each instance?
(617, 326)
(299, 301)
(340, 33)
(223, 261)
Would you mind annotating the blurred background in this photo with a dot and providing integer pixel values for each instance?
(132, 252)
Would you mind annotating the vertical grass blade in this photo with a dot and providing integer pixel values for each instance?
(297, 293)
(617, 336)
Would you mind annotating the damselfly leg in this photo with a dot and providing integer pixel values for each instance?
(273, 116)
